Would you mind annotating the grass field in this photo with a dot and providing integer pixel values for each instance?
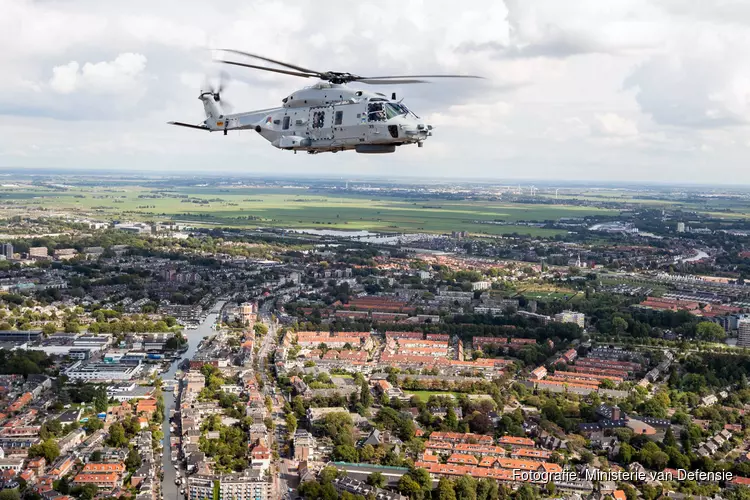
(295, 209)
(548, 292)
(425, 395)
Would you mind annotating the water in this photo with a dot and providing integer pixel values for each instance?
(334, 232)
(194, 337)
(366, 236)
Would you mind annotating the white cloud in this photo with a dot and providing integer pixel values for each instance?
(565, 83)
(104, 77)
(613, 125)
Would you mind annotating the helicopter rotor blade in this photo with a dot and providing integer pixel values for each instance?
(273, 61)
(416, 76)
(273, 70)
(223, 79)
(381, 81)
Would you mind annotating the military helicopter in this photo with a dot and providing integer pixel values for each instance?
(325, 117)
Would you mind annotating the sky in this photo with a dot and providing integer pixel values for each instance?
(636, 90)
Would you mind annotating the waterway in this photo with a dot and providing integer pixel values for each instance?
(194, 337)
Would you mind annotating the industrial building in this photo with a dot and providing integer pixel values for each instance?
(103, 371)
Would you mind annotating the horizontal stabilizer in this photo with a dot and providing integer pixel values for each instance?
(189, 125)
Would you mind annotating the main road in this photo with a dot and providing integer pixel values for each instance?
(194, 337)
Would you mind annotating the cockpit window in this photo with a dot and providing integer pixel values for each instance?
(393, 109)
(381, 111)
(375, 112)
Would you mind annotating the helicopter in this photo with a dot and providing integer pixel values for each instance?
(328, 116)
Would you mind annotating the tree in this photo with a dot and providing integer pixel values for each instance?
(367, 453)
(451, 421)
(626, 453)
(339, 427)
(291, 423)
(47, 449)
(710, 332)
(133, 461)
(49, 329)
(101, 399)
(376, 479)
(365, 397)
(466, 488)
(445, 490)
(96, 456)
(346, 453)
(525, 492)
(487, 489)
(409, 487)
(8, 494)
(619, 325)
(93, 425)
(669, 439)
(260, 329)
(117, 437)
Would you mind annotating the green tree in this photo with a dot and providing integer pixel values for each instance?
(291, 423)
(47, 449)
(487, 489)
(619, 325)
(710, 332)
(346, 453)
(117, 437)
(626, 453)
(10, 494)
(669, 439)
(49, 329)
(466, 488)
(445, 490)
(451, 421)
(376, 479)
(409, 487)
(93, 425)
(133, 461)
(260, 329)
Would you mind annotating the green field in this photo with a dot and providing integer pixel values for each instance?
(425, 395)
(294, 208)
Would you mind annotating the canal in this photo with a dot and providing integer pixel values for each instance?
(194, 337)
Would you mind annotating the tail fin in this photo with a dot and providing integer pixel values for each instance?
(210, 107)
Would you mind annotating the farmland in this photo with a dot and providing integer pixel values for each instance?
(292, 208)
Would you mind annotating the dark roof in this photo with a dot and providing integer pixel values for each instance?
(589, 427)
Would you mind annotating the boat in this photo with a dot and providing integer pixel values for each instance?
(177, 481)
(182, 491)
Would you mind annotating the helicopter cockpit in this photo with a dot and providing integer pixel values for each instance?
(380, 111)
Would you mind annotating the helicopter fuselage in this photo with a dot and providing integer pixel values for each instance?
(327, 118)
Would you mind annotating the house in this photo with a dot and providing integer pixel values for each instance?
(37, 465)
(106, 481)
(71, 440)
(100, 467)
(62, 466)
(146, 407)
(70, 416)
(377, 438)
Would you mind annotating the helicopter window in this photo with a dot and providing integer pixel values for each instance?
(392, 109)
(285, 123)
(338, 118)
(318, 119)
(375, 112)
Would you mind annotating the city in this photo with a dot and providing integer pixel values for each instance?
(156, 359)
(374, 250)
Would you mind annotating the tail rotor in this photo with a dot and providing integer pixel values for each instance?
(216, 90)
